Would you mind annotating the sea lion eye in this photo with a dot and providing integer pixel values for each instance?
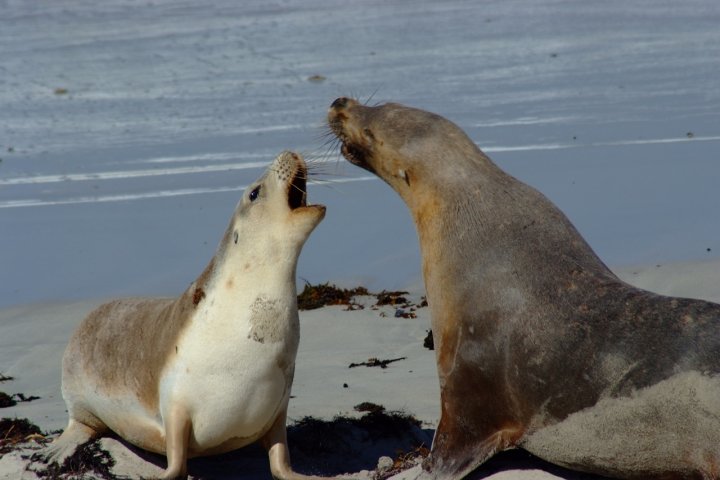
(254, 194)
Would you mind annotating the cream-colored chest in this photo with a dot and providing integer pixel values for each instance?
(233, 365)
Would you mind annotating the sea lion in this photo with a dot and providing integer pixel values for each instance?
(210, 371)
(538, 344)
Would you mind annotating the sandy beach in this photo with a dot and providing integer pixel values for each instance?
(32, 339)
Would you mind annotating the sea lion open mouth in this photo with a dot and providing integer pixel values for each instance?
(297, 190)
(355, 155)
(352, 149)
(292, 173)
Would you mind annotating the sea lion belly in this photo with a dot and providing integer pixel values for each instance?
(242, 367)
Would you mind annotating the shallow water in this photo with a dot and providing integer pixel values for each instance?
(128, 130)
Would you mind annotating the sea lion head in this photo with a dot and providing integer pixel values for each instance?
(273, 210)
(406, 147)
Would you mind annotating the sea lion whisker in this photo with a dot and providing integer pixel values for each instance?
(323, 165)
(326, 137)
(332, 139)
(372, 95)
(324, 132)
(332, 150)
(320, 164)
(325, 173)
(329, 141)
(332, 175)
(298, 188)
(329, 184)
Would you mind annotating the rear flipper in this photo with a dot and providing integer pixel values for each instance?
(65, 445)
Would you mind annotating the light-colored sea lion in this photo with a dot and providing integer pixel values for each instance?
(538, 343)
(211, 371)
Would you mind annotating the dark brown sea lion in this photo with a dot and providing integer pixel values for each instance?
(538, 343)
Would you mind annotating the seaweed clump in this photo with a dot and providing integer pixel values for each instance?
(89, 458)
(323, 294)
(14, 431)
(12, 400)
(391, 298)
(6, 400)
(317, 296)
(374, 362)
(429, 341)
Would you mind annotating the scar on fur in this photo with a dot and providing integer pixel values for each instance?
(198, 295)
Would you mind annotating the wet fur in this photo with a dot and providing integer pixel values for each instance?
(538, 344)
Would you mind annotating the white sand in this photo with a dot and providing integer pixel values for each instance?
(32, 339)
(689, 279)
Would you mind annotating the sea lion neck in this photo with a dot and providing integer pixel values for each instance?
(495, 225)
(237, 269)
(479, 197)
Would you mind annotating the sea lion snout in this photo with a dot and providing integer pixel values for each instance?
(337, 116)
(342, 102)
(292, 171)
(349, 129)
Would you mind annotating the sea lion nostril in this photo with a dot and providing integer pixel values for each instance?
(340, 102)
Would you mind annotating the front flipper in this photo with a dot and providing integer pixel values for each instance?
(177, 432)
(454, 454)
(275, 441)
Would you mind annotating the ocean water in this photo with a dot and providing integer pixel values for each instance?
(128, 130)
